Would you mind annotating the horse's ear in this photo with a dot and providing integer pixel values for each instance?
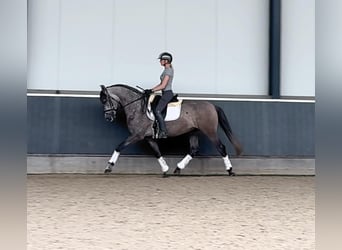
(103, 94)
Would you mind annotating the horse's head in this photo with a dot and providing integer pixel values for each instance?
(111, 104)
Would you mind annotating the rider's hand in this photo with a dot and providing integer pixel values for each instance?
(148, 91)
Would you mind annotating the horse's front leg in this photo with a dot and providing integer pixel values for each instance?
(158, 155)
(116, 153)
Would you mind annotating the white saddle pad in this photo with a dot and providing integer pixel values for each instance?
(172, 113)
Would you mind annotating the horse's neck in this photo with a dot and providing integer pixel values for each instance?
(130, 100)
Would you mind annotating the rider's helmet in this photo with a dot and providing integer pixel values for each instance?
(165, 56)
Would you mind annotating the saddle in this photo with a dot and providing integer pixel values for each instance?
(171, 113)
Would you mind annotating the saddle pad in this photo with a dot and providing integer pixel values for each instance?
(172, 113)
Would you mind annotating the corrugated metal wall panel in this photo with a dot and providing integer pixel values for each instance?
(71, 125)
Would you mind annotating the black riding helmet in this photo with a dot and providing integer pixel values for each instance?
(165, 56)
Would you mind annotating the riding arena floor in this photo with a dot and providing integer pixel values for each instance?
(100, 212)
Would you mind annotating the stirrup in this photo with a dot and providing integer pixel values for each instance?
(162, 135)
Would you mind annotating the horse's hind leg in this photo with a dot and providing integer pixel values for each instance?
(158, 155)
(222, 150)
(193, 139)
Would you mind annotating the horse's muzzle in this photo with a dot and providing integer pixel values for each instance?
(109, 118)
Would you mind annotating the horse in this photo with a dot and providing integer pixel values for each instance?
(194, 116)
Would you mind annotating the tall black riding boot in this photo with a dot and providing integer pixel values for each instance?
(162, 127)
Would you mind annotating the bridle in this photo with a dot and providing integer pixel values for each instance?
(117, 100)
(110, 101)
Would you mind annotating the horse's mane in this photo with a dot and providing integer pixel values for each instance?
(127, 87)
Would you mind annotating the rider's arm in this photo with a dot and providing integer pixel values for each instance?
(162, 84)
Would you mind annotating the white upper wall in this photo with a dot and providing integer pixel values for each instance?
(219, 46)
(43, 39)
(298, 48)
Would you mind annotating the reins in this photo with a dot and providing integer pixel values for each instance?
(141, 97)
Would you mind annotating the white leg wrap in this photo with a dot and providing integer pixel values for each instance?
(114, 157)
(227, 162)
(163, 164)
(182, 164)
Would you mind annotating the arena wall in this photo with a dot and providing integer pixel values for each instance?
(69, 127)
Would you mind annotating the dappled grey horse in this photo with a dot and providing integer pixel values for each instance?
(194, 116)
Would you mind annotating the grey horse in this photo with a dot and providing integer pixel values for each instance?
(194, 116)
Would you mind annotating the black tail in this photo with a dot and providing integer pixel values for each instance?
(223, 121)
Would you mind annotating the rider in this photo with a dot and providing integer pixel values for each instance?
(165, 86)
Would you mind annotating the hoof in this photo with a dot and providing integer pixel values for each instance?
(165, 175)
(177, 171)
(107, 171)
(230, 172)
(109, 167)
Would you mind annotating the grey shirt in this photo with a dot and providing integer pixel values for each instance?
(169, 72)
